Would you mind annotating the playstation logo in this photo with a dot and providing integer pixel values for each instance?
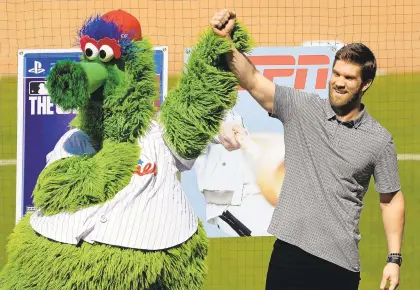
(37, 69)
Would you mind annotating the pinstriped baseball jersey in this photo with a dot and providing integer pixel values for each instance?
(151, 212)
(328, 167)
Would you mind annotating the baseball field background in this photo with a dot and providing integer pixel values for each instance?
(390, 28)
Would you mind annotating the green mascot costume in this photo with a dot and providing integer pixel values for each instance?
(111, 213)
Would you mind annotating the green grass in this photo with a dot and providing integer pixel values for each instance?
(8, 117)
(394, 101)
(373, 248)
(241, 263)
(8, 132)
(7, 206)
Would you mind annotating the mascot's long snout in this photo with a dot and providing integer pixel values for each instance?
(70, 83)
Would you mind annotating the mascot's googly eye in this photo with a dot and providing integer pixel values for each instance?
(91, 51)
(109, 49)
(106, 53)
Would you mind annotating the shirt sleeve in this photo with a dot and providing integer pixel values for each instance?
(285, 104)
(182, 164)
(386, 170)
(73, 142)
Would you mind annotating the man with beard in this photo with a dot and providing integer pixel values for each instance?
(332, 148)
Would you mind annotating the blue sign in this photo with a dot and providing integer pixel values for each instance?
(40, 123)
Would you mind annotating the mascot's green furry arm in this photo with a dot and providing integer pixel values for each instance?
(111, 213)
(193, 112)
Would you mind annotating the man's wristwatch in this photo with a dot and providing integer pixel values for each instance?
(394, 258)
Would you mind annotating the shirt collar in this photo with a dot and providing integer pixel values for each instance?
(330, 114)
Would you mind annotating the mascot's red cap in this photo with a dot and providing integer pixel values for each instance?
(127, 22)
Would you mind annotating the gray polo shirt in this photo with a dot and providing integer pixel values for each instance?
(328, 166)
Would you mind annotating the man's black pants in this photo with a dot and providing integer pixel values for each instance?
(291, 268)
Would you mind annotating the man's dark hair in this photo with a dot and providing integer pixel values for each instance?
(360, 54)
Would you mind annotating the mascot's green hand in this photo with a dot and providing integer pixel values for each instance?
(73, 183)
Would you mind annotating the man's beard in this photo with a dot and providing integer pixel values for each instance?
(344, 109)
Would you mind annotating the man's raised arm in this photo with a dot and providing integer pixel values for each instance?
(260, 88)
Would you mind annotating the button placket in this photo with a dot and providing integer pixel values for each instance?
(335, 133)
(338, 134)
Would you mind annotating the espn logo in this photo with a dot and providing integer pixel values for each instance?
(280, 68)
